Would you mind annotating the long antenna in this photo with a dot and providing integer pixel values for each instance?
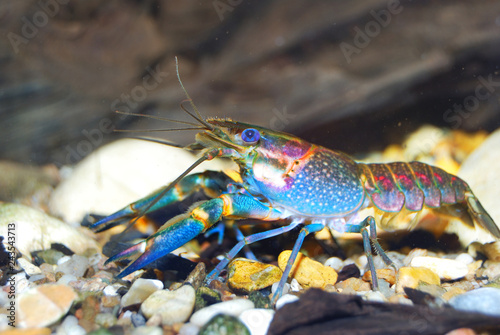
(198, 116)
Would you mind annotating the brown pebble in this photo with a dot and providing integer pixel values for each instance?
(246, 275)
(451, 292)
(110, 301)
(412, 276)
(355, 284)
(388, 274)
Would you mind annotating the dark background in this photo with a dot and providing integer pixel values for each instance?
(66, 65)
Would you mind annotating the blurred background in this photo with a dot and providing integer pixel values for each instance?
(350, 75)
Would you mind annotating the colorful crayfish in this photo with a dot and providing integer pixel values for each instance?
(285, 177)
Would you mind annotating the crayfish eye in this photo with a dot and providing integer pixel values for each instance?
(250, 135)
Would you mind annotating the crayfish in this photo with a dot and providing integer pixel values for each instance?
(285, 177)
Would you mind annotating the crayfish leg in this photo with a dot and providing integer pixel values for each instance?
(370, 239)
(480, 215)
(311, 228)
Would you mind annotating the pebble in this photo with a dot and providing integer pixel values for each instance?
(351, 285)
(447, 269)
(76, 266)
(246, 275)
(452, 292)
(29, 268)
(308, 272)
(66, 279)
(335, 263)
(44, 305)
(481, 170)
(39, 230)
(482, 300)
(492, 251)
(189, 329)
(411, 276)
(147, 330)
(115, 184)
(286, 299)
(140, 290)
(286, 288)
(70, 326)
(417, 252)
(105, 320)
(224, 324)
(464, 259)
(376, 296)
(232, 307)
(173, 306)
(387, 274)
(491, 269)
(257, 320)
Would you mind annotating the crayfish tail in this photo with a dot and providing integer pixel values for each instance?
(480, 215)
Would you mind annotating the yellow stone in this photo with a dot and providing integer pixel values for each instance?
(412, 276)
(308, 272)
(388, 274)
(453, 291)
(354, 285)
(246, 275)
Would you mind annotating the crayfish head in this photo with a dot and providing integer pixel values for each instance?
(253, 147)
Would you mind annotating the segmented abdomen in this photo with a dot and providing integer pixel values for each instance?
(394, 185)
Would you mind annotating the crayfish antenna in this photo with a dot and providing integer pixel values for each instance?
(480, 215)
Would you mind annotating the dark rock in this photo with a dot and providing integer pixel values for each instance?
(318, 312)
(348, 271)
(224, 324)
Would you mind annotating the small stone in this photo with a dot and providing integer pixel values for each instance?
(140, 290)
(483, 300)
(232, 307)
(50, 256)
(224, 324)
(44, 305)
(173, 306)
(105, 320)
(189, 329)
(66, 279)
(259, 299)
(417, 252)
(491, 269)
(76, 266)
(286, 288)
(29, 268)
(246, 275)
(147, 330)
(196, 277)
(411, 276)
(352, 285)
(286, 299)
(257, 320)
(206, 296)
(308, 272)
(452, 292)
(447, 269)
(335, 263)
(492, 251)
(70, 326)
(295, 286)
(376, 296)
(464, 259)
(387, 274)
(138, 320)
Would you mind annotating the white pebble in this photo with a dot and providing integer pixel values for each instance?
(140, 290)
(447, 269)
(335, 263)
(464, 259)
(286, 299)
(189, 329)
(63, 259)
(257, 320)
(174, 306)
(66, 279)
(232, 307)
(94, 259)
(286, 288)
(70, 327)
(76, 266)
(36, 277)
(295, 286)
(29, 268)
(376, 296)
(147, 330)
